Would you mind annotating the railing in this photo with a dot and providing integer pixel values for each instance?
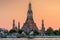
(44, 36)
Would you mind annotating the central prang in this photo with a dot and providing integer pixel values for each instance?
(29, 24)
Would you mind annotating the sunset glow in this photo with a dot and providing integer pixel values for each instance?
(49, 10)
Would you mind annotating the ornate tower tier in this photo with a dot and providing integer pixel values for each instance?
(13, 24)
(18, 25)
(43, 28)
(29, 24)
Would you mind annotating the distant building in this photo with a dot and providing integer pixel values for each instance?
(29, 24)
(3, 30)
(43, 28)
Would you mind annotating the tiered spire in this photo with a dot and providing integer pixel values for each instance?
(42, 23)
(29, 5)
(43, 28)
(29, 13)
(14, 26)
(13, 23)
(18, 25)
(29, 24)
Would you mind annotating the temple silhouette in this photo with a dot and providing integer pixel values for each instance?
(29, 24)
(29, 29)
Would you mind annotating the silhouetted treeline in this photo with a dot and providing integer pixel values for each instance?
(50, 31)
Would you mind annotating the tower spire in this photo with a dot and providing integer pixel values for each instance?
(29, 5)
(13, 23)
(42, 23)
(43, 28)
(29, 13)
(18, 25)
(29, 24)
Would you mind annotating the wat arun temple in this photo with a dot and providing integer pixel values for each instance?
(29, 24)
(29, 28)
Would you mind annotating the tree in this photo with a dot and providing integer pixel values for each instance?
(55, 32)
(59, 31)
(6, 31)
(13, 31)
(20, 31)
(49, 31)
(27, 33)
(35, 32)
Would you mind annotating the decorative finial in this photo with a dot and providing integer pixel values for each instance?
(42, 18)
(29, 1)
(29, 5)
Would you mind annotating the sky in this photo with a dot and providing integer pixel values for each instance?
(49, 10)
